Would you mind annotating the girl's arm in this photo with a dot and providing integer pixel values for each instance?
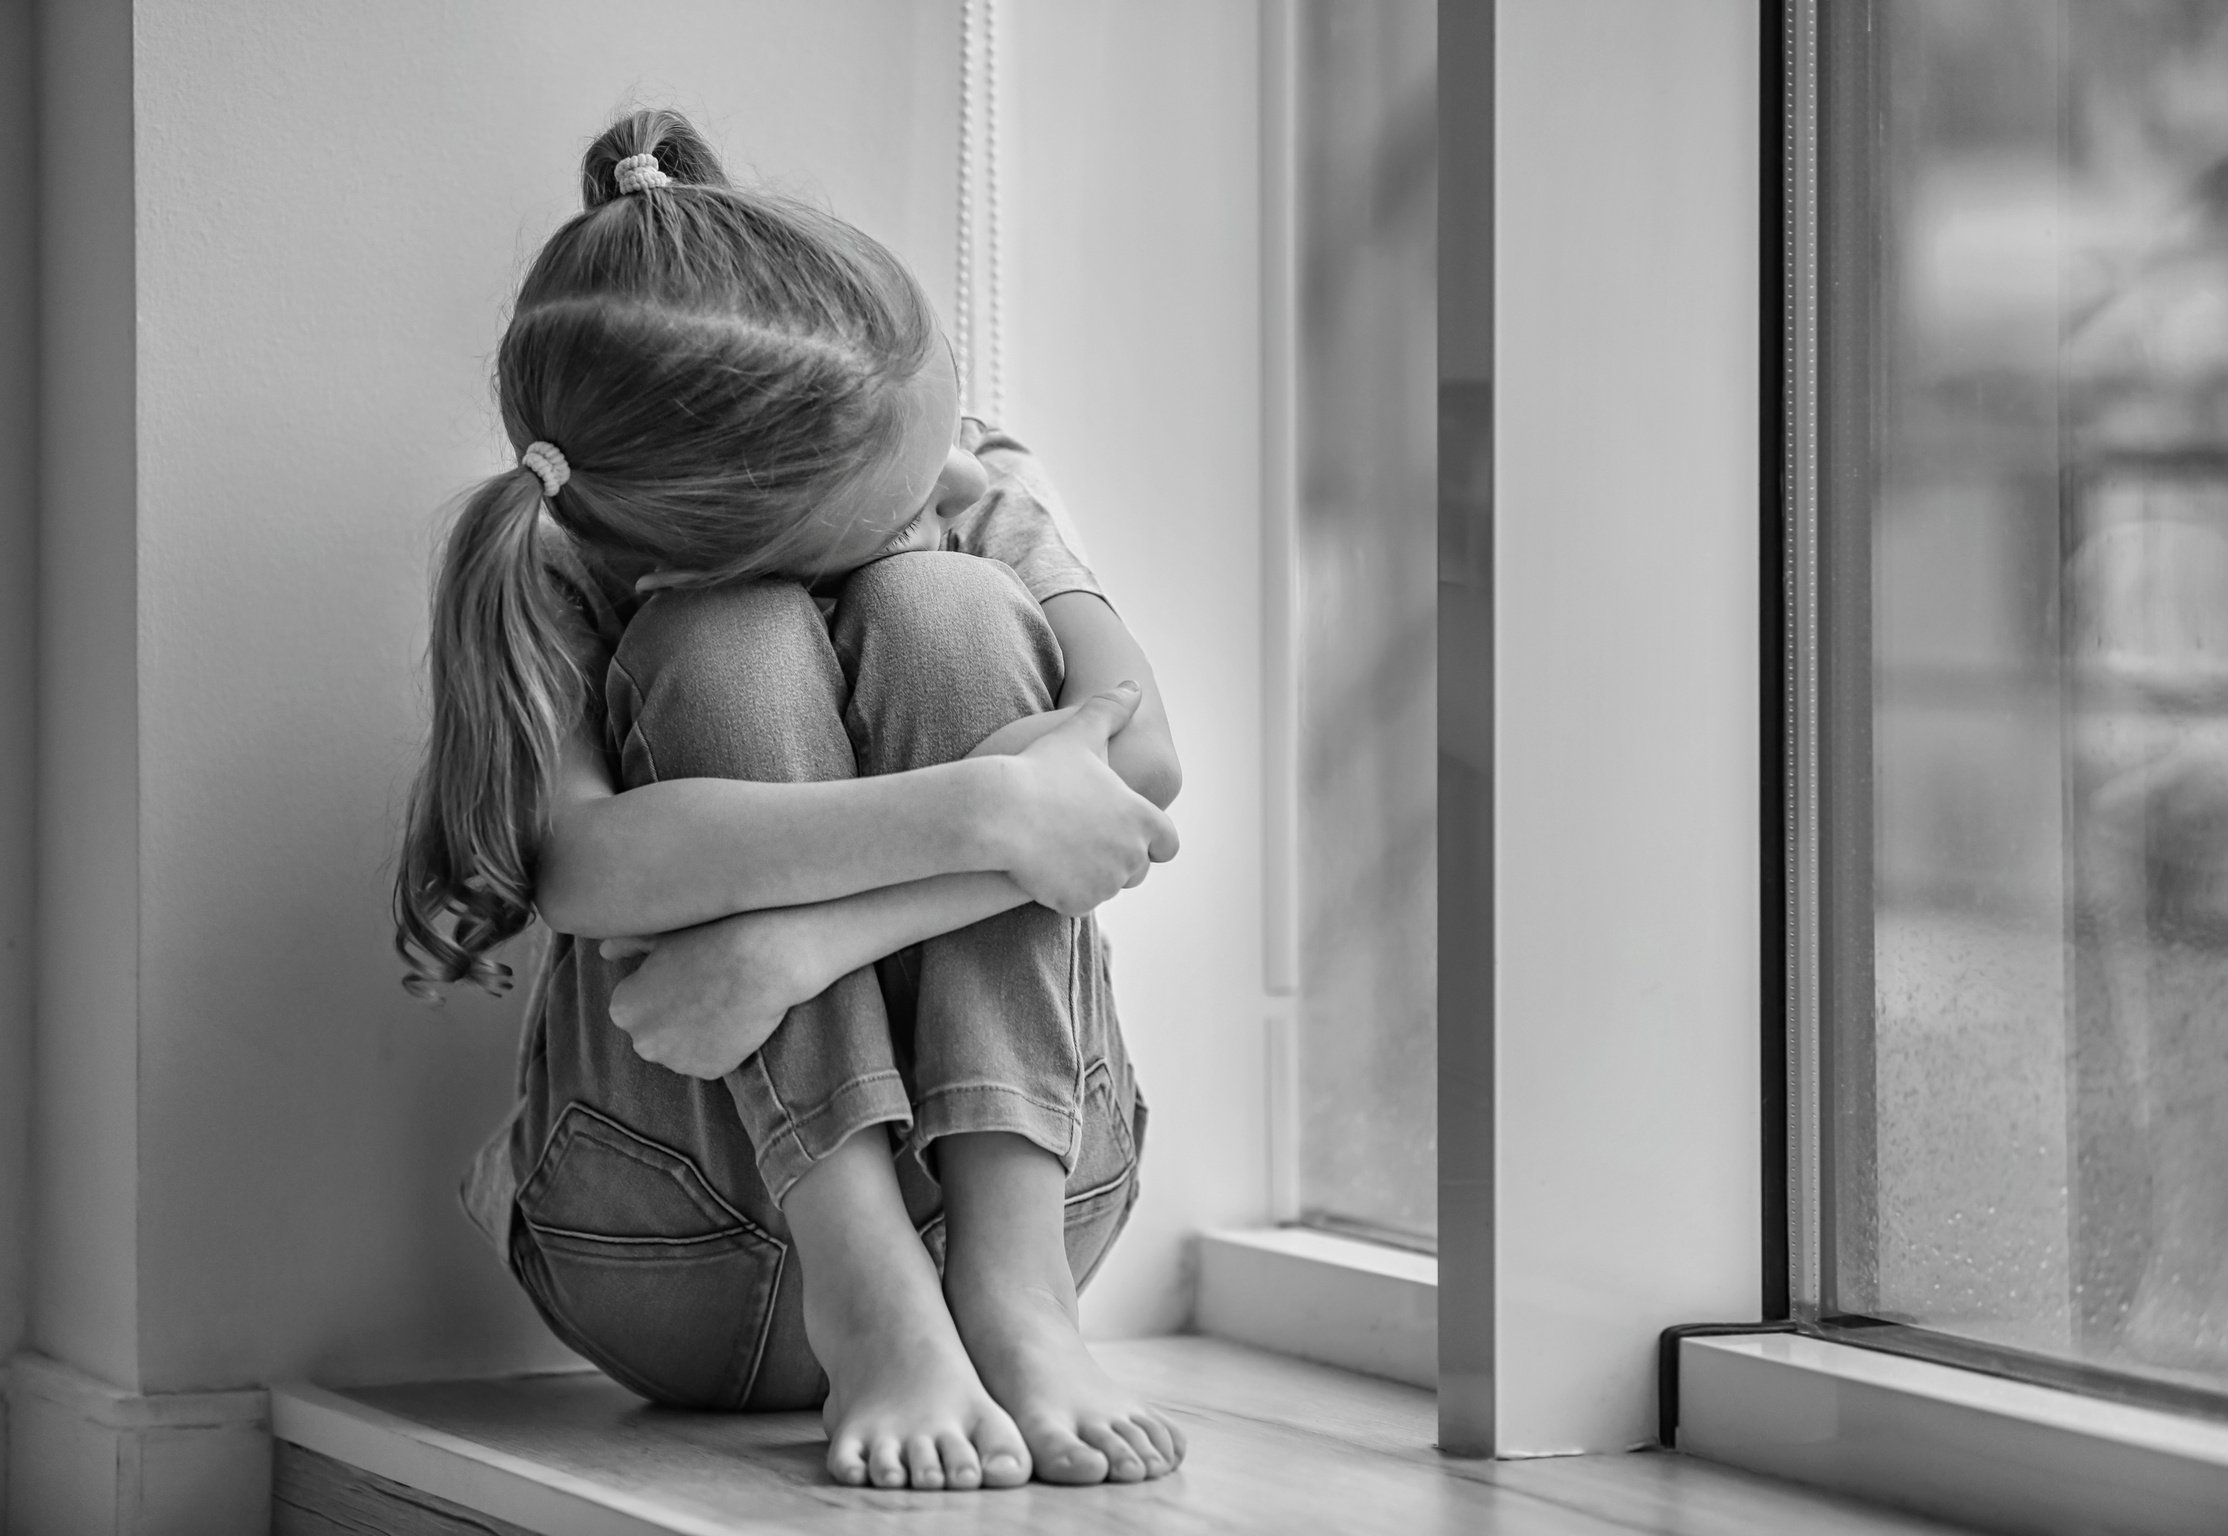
(687, 851)
(706, 999)
(1098, 649)
(682, 852)
(1100, 653)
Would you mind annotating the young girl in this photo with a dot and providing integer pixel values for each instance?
(768, 671)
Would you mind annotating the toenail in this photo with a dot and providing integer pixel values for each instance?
(1002, 1464)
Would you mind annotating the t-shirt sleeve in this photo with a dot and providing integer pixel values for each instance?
(1021, 520)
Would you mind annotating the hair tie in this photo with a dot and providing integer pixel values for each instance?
(640, 173)
(547, 464)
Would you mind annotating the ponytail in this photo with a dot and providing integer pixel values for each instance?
(507, 689)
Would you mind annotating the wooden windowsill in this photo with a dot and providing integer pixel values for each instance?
(1278, 1446)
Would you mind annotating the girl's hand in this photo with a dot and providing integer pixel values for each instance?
(707, 997)
(1076, 834)
(1100, 651)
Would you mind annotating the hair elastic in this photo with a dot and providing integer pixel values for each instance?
(639, 173)
(547, 463)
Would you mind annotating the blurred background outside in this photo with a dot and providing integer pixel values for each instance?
(2046, 1105)
(1364, 615)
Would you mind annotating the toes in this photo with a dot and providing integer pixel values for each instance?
(962, 1467)
(1007, 1458)
(1123, 1465)
(1003, 1469)
(924, 1467)
(847, 1460)
(1062, 1458)
(1167, 1440)
(885, 1463)
(1141, 1445)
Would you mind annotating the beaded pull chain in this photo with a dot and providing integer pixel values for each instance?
(979, 16)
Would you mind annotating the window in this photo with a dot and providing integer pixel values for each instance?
(1361, 622)
(2011, 1100)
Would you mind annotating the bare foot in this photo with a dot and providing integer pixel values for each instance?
(905, 1407)
(1007, 1280)
(1080, 1425)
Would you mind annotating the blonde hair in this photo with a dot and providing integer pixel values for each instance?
(713, 362)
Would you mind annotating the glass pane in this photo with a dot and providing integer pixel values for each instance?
(2026, 354)
(1364, 613)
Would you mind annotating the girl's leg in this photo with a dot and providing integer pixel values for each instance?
(1012, 1291)
(1024, 1103)
(905, 1405)
(740, 682)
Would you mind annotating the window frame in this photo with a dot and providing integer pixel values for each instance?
(1600, 1049)
(1350, 1296)
(1826, 77)
(1601, 1142)
(1888, 1411)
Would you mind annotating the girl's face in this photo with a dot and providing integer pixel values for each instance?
(903, 501)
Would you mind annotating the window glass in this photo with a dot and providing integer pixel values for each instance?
(2024, 515)
(1363, 612)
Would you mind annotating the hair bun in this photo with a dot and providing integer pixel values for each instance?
(671, 141)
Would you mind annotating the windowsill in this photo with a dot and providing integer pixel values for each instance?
(1337, 1300)
(574, 1454)
(1277, 1446)
(1951, 1443)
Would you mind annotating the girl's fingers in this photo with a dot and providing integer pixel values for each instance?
(1103, 715)
(1165, 842)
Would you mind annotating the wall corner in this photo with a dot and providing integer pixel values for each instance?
(88, 1456)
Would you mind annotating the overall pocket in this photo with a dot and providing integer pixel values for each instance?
(639, 1264)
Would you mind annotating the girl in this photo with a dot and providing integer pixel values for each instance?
(765, 651)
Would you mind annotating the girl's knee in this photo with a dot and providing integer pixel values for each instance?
(947, 616)
(711, 633)
(735, 681)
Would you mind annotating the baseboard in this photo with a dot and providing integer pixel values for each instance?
(1336, 1300)
(85, 1456)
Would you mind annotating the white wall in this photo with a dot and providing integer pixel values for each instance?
(18, 701)
(332, 203)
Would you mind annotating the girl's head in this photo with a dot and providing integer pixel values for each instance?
(740, 385)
